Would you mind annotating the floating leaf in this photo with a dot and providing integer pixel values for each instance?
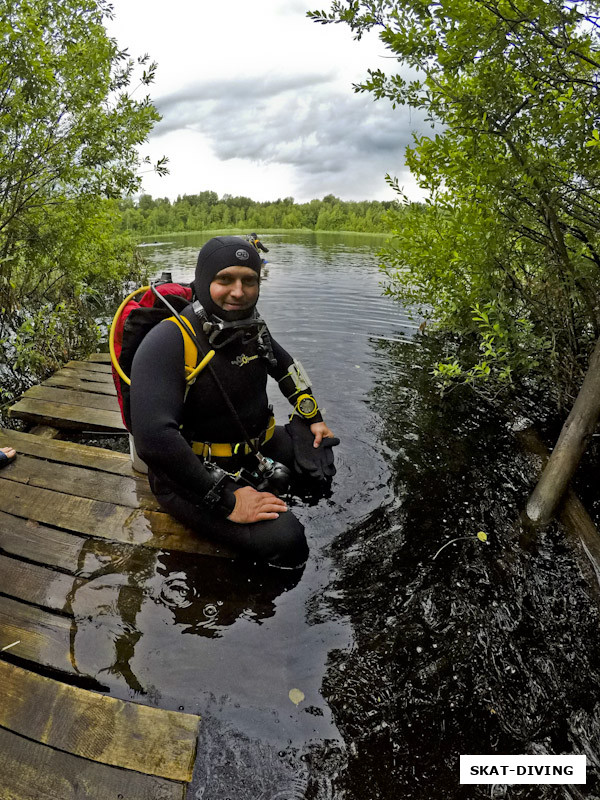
(296, 696)
(482, 536)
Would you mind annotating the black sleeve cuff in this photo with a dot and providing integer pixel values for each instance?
(227, 502)
(221, 498)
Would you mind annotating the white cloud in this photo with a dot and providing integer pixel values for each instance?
(257, 100)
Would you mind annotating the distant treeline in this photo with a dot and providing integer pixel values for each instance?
(207, 211)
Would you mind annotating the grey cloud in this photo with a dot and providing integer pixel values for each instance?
(249, 89)
(332, 128)
(330, 136)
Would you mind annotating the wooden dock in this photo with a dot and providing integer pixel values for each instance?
(63, 506)
(80, 396)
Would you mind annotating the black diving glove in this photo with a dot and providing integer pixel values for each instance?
(316, 462)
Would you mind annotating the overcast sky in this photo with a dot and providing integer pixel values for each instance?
(257, 101)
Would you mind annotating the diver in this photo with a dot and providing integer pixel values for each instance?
(254, 240)
(216, 460)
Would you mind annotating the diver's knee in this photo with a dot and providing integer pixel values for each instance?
(290, 548)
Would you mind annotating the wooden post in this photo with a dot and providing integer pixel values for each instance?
(575, 520)
(569, 448)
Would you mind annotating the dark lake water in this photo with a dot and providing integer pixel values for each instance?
(368, 675)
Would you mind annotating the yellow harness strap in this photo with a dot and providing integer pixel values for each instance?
(190, 351)
(226, 450)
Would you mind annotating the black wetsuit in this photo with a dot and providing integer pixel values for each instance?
(165, 421)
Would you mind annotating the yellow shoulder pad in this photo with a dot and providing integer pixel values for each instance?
(190, 354)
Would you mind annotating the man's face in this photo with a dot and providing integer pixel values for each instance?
(235, 288)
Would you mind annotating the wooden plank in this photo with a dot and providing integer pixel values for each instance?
(32, 771)
(96, 727)
(53, 394)
(105, 520)
(34, 584)
(81, 455)
(27, 539)
(102, 358)
(44, 637)
(92, 366)
(81, 482)
(81, 555)
(54, 591)
(63, 415)
(80, 370)
(82, 515)
(69, 380)
(85, 376)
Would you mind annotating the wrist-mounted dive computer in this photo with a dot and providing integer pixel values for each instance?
(306, 406)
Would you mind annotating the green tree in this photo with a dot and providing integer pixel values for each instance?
(206, 211)
(506, 251)
(68, 149)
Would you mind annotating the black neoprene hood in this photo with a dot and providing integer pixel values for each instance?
(217, 254)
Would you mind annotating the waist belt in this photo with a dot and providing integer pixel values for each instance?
(226, 450)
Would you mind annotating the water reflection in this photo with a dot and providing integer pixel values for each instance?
(139, 594)
(206, 601)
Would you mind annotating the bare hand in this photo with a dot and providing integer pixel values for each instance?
(253, 506)
(320, 431)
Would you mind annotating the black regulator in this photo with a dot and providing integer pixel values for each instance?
(269, 476)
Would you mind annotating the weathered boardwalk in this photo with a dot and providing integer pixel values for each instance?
(80, 396)
(59, 503)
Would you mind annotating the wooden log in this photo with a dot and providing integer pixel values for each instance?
(571, 444)
(82, 482)
(104, 520)
(70, 381)
(148, 740)
(32, 771)
(81, 455)
(34, 584)
(43, 637)
(63, 415)
(53, 394)
(577, 523)
(581, 529)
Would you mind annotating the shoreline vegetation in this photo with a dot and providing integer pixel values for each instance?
(205, 211)
(72, 123)
(262, 232)
(241, 231)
